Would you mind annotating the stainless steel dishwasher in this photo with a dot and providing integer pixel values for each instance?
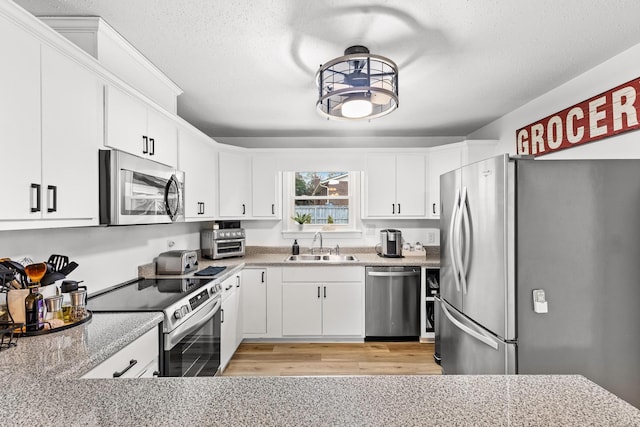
(392, 303)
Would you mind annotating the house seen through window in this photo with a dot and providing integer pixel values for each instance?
(322, 197)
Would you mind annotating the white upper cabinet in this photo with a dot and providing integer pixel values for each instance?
(137, 128)
(395, 186)
(447, 158)
(264, 187)
(440, 161)
(50, 122)
(234, 184)
(197, 158)
(19, 122)
(71, 135)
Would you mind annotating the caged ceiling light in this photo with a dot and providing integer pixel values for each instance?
(357, 86)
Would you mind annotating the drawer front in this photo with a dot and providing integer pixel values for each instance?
(143, 351)
(323, 274)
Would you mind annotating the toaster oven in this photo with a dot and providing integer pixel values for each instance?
(222, 243)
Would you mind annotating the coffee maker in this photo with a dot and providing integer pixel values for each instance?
(390, 245)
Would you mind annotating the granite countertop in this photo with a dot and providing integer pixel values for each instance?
(41, 380)
(265, 256)
(268, 256)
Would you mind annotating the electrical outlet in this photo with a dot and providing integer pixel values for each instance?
(431, 237)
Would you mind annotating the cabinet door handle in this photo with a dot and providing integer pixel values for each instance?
(222, 316)
(203, 210)
(145, 144)
(262, 280)
(434, 208)
(273, 209)
(237, 281)
(152, 151)
(132, 363)
(393, 208)
(318, 291)
(325, 291)
(54, 190)
(244, 209)
(37, 188)
(398, 208)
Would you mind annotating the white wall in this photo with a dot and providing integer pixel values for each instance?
(106, 255)
(269, 233)
(616, 71)
(110, 255)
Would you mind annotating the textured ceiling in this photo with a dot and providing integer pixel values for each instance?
(247, 68)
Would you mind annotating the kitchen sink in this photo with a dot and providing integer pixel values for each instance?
(321, 258)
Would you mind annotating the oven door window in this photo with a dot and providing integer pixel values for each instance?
(198, 353)
(229, 246)
(143, 194)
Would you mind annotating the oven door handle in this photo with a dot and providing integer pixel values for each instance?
(193, 324)
(230, 241)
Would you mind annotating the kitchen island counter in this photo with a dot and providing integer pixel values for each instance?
(42, 377)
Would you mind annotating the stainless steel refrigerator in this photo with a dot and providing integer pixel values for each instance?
(540, 270)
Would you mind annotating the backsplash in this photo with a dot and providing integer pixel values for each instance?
(106, 255)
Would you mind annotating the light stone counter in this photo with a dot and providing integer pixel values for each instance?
(41, 385)
(266, 256)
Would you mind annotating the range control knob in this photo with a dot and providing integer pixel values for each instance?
(181, 312)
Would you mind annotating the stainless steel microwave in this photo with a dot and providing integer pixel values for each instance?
(134, 190)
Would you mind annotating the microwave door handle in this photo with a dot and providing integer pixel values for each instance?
(167, 207)
(465, 230)
(170, 183)
(467, 330)
(452, 249)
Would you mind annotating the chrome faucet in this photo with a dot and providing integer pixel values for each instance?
(315, 236)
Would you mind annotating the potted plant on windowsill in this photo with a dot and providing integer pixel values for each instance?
(302, 219)
(329, 225)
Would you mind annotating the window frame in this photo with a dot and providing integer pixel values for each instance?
(289, 198)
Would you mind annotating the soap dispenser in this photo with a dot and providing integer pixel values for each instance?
(295, 249)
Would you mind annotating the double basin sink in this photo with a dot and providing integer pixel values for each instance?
(320, 258)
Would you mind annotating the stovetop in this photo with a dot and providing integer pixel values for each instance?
(146, 294)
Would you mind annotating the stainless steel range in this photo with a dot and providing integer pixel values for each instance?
(190, 341)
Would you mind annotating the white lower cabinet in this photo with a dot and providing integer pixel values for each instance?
(323, 301)
(231, 330)
(254, 300)
(138, 359)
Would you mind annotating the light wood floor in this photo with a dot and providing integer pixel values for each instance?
(369, 358)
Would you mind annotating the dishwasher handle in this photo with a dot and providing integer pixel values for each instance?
(393, 273)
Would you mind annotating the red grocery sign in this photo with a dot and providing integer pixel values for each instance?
(610, 113)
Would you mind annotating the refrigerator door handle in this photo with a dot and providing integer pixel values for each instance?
(482, 338)
(465, 230)
(461, 275)
(452, 241)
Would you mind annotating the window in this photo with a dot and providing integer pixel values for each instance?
(322, 198)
